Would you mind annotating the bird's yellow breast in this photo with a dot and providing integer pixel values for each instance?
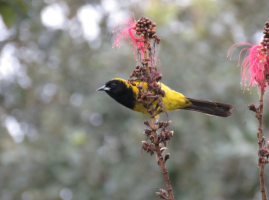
(172, 100)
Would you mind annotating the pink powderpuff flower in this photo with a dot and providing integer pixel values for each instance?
(255, 66)
(124, 32)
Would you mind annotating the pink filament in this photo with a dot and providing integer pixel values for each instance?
(255, 65)
(125, 33)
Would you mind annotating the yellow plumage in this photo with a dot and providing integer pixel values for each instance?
(172, 100)
(127, 94)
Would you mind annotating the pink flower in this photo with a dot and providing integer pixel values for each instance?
(124, 32)
(255, 66)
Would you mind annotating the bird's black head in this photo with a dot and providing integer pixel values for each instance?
(114, 87)
(119, 90)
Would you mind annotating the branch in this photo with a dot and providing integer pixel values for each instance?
(263, 150)
(261, 144)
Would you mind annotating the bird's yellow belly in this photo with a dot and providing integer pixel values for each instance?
(172, 101)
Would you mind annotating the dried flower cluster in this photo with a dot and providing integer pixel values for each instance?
(164, 135)
(151, 92)
(145, 25)
(146, 78)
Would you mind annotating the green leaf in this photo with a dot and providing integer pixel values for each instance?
(7, 14)
(21, 6)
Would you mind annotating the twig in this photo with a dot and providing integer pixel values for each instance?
(156, 142)
(263, 152)
(161, 162)
(261, 144)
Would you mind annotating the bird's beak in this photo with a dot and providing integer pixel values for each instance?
(103, 88)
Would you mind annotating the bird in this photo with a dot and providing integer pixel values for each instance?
(126, 94)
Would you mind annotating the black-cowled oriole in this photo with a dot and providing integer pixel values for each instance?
(127, 94)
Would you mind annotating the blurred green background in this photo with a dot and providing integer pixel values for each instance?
(60, 139)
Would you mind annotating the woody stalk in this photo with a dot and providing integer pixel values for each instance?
(141, 34)
(255, 71)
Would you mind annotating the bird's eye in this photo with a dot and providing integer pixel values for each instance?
(113, 84)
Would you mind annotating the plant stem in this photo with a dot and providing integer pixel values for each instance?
(160, 159)
(261, 143)
(162, 163)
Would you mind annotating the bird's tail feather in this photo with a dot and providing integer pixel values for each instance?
(210, 107)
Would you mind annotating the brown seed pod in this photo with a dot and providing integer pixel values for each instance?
(153, 24)
(253, 108)
(159, 78)
(166, 157)
(171, 133)
(146, 122)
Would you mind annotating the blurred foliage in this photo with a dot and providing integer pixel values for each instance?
(60, 139)
(10, 9)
